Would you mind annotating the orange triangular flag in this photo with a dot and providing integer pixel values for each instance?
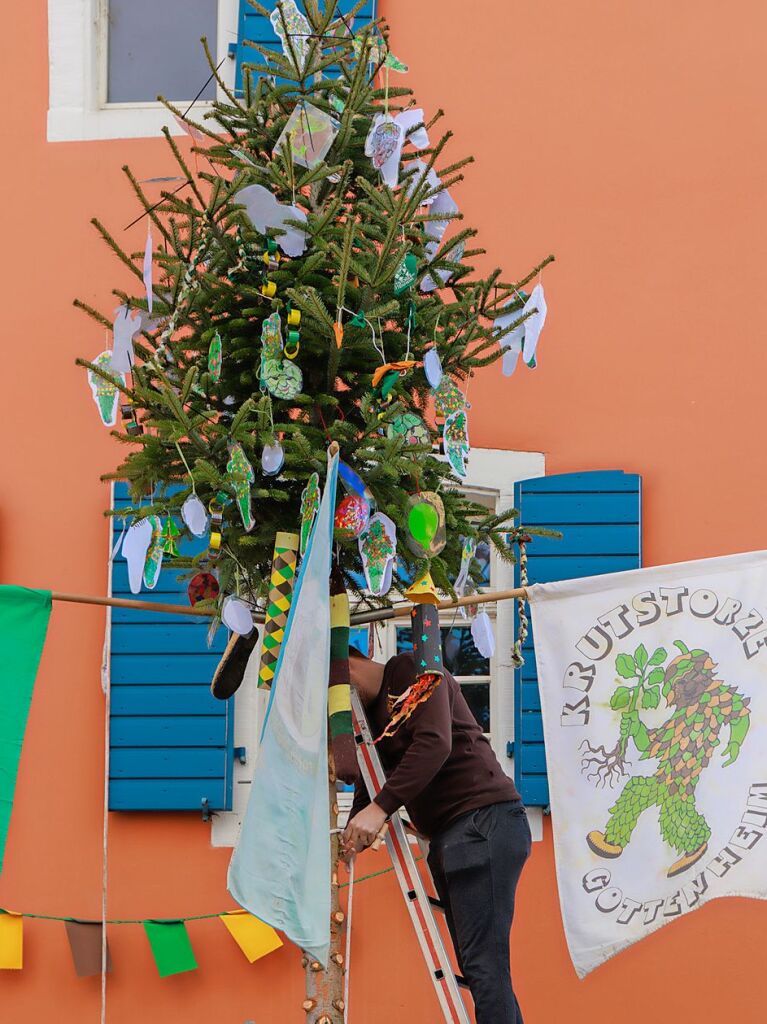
(254, 938)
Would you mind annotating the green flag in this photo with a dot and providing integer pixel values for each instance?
(171, 948)
(24, 618)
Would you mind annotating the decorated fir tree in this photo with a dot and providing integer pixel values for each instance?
(310, 281)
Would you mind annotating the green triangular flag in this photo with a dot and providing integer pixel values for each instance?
(171, 948)
(24, 618)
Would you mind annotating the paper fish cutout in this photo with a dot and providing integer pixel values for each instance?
(272, 458)
(456, 439)
(280, 376)
(410, 427)
(265, 211)
(241, 476)
(310, 132)
(422, 591)
(147, 271)
(483, 635)
(215, 358)
(298, 31)
(426, 535)
(237, 616)
(135, 546)
(105, 395)
(432, 367)
(406, 274)
(448, 397)
(195, 516)
(310, 506)
(523, 339)
(378, 551)
(155, 554)
(467, 557)
(386, 138)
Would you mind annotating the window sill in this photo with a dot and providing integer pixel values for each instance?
(117, 121)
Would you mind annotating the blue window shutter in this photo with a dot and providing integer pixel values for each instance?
(599, 516)
(255, 28)
(171, 741)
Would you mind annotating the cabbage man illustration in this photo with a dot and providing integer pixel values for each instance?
(703, 706)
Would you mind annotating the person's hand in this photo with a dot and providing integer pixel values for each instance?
(363, 829)
(731, 752)
(629, 724)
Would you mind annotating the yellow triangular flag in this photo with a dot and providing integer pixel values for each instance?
(254, 938)
(11, 941)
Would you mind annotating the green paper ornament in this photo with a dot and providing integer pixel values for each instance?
(406, 274)
(426, 535)
(215, 358)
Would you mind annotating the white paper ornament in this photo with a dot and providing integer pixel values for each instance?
(237, 616)
(534, 325)
(272, 458)
(136, 543)
(483, 636)
(432, 367)
(195, 516)
(266, 211)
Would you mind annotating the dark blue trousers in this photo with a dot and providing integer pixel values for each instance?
(476, 863)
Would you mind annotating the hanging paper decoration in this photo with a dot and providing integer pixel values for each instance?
(387, 137)
(523, 339)
(171, 948)
(240, 475)
(310, 133)
(455, 255)
(135, 547)
(169, 534)
(272, 458)
(483, 636)
(105, 394)
(354, 484)
(406, 274)
(409, 427)
(432, 367)
(456, 440)
(420, 174)
(378, 551)
(426, 524)
(374, 50)
(340, 728)
(266, 212)
(422, 590)
(293, 29)
(154, 555)
(281, 377)
(195, 515)
(85, 944)
(215, 358)
(237, 616)
(11, 941)
(254, 938)
(203, 586)
(127, 324)
(147, 270)
(446, 207)
(467, 557)
(448, 397)
(284, 560)
(310, 506)
(191, 131)
(351, 517)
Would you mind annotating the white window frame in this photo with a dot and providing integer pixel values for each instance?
(77, 63)
(491, 472)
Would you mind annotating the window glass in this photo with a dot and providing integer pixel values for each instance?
(358, 637)
(460, 656)
(478, 698)
(154, 49)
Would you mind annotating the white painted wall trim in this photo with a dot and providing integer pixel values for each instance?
(77, 48)
(492, 471)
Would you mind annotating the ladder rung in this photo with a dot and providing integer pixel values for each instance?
(460, 981)
(437, 904)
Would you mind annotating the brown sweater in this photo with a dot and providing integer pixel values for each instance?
(439, 765)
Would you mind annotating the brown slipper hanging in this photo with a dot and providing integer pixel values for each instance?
(231, 669)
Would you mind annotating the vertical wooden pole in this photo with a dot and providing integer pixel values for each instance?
(324, 1003)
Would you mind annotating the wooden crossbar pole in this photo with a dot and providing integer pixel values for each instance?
(375, 615)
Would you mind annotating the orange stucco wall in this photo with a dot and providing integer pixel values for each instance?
(628, 139)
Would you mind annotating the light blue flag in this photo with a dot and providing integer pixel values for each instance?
(280, 868)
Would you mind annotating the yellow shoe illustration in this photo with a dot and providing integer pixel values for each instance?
(686, 861)
(599, 845)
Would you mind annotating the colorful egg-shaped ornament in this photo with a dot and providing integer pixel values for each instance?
(352, 517)
(202, 587)
(195, 515)
(432, 367)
